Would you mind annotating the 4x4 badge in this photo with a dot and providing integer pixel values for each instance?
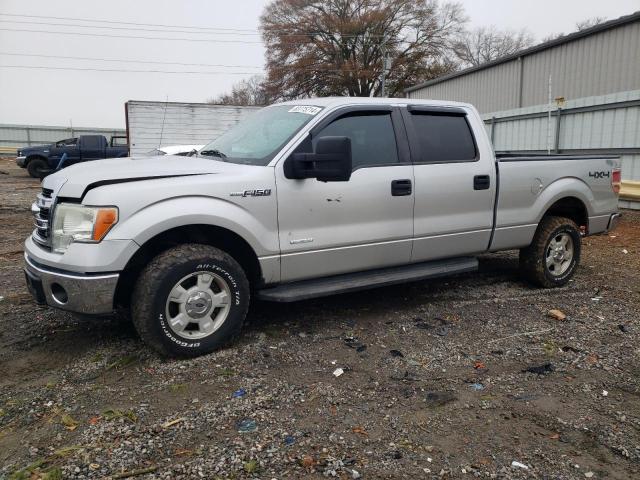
(263, 192)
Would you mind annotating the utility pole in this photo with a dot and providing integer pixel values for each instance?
(383, 49)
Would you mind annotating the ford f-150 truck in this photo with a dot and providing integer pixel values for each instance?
(304, 199)
(41, 160)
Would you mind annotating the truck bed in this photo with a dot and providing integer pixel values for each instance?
(540, 157)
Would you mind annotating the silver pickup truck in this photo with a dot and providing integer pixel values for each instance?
(304, 199)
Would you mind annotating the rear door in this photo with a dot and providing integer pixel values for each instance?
(454, 183)
(328, 228)
(92, 147)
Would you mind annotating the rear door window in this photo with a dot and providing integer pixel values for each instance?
(443, 138)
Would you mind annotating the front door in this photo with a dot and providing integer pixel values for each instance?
(328, 228)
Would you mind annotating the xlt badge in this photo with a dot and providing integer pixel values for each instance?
(262, 192)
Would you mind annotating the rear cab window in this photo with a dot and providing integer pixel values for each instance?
(440, 135)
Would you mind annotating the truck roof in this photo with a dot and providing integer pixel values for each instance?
(339, 101)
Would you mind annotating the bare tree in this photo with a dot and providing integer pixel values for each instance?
(582, 25)
(336, 47)
(482, 45)
(246, 92)
(590, 22)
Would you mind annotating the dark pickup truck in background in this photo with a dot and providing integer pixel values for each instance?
(41, 160)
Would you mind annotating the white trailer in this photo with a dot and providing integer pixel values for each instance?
(151, 125)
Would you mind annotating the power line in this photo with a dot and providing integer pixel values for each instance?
(206, 40)
(113, 22)
(124, 70)
(62, 57)
(164, 30)
(136, 24)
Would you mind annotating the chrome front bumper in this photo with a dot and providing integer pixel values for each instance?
(20, 161)
(76, 292)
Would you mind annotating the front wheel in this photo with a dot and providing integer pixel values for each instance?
(38, 168)
(190, 300)
(553, 256)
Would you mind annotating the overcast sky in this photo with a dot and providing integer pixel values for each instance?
(96, 98)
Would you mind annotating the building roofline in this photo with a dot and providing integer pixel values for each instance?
(634, 17)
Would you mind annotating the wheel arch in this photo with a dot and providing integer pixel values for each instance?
(212, 235)
(35, 156)
(570, 207)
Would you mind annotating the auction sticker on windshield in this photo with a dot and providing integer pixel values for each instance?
(309, 110)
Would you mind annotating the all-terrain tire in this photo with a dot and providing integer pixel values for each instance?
(533, 259)
(38, 168)
(150, 299)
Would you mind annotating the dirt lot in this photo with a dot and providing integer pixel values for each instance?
(433, 383)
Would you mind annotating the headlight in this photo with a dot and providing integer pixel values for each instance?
(78, 223)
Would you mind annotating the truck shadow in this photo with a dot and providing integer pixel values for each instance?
(494, 269)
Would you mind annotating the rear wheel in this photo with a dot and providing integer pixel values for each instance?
(190, 300)
(38, 168)
(553, 256)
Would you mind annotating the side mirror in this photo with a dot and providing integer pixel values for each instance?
(331, 161)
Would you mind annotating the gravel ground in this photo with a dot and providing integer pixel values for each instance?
(434, 384)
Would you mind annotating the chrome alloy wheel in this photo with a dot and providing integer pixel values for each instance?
(559, 254)
(198, 305)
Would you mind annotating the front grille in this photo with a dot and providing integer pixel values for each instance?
(42, 209)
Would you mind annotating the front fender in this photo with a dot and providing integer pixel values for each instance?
(260, 234)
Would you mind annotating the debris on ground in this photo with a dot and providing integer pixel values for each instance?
(516, 464)
(556, 314)
(337, 372)
(396, 353)
(171, 423)
(239, 393)
(438, 399)
(544, 369)
(247, 425)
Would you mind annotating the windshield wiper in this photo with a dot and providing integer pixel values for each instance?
(213, 153)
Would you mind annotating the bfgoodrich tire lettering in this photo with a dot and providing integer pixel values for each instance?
(155, 289)
(535, 259)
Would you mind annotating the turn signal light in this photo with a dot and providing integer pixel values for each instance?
(105, 219)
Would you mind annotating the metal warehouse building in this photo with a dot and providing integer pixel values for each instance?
(593, 79)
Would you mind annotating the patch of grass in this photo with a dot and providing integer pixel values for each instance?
(226, 372)
(251, 466)
(177, 387)
(66, 451)
(97, 357)
(123, 362)
(25, 473)
(112, 414)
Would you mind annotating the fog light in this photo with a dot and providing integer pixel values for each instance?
(59, 293)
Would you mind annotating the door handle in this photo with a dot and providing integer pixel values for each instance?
(400, 188)
(481, 182)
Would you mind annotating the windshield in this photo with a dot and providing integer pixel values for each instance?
(259, 137)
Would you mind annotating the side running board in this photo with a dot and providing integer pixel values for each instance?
(351, 282)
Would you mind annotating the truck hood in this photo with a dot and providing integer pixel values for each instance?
(34, 149)
(75, 180)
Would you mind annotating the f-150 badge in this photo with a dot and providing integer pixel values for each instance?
(263, 192)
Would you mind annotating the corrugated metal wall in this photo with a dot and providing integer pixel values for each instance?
(598, 64)
(600, 124)
(14, 136)
(492, 89)
(154, 124)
